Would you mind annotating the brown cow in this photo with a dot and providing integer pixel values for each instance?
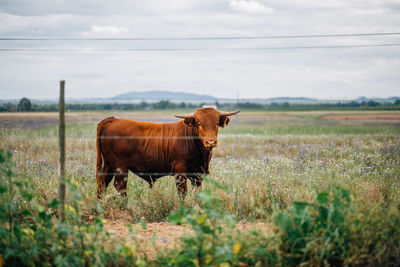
(152, 150)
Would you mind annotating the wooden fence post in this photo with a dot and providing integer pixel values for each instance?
(61, 143)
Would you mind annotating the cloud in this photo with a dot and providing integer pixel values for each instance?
(332, 72)
(27, 25)
(111, 30)
(250, 6)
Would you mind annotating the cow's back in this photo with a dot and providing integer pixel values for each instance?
(142, 147)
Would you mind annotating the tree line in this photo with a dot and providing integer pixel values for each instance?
(25, 105)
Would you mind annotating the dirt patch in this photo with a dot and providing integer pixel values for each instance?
(161, 235)
(266, 228)
(369, 117)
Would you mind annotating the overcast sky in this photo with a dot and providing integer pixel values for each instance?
(320, 73)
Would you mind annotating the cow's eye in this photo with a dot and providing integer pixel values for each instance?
(199, 124)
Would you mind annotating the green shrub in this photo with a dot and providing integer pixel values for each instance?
(331, 231)
(31, 235)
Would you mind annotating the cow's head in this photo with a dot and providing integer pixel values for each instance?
(207, 121)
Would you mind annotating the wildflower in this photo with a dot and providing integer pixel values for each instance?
(202, 219)
(208, 259)
(75, 183)
(70, 209)
(88, 253)
(28, 232)
(129, 249)
(236, 248)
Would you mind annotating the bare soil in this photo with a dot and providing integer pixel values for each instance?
(365, 117)
(161, 235)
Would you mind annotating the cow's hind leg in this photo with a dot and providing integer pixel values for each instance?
(104, 177)
(121, 180)
(181, 185)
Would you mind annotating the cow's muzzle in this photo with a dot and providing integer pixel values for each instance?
(210, 143)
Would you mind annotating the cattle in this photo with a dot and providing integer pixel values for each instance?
(152, 150)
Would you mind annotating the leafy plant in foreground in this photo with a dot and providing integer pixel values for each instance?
(316, 232)
(31, 235)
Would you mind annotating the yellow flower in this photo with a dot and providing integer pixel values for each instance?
(130, 248)
(70, 209)
(88, 253)
(224, 264)
(209, 259)
(236, 248)
(28, 232)
(75, 183)
(202, 219)
(208, 246)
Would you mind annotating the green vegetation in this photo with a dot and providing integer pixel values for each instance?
(30, 235)
(329, 190)
(25, 105)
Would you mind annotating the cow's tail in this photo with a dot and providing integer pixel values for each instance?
(100, 161)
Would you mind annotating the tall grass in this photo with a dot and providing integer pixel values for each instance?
(330, 230)
(270, 173)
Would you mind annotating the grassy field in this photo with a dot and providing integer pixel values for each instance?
(265, 163)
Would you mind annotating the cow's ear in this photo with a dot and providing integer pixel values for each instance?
(223, 121)
(190, 122)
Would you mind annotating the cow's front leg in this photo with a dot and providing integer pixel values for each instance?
(181, 185)
(196, 184)
(149, 180)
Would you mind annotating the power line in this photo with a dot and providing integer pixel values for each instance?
(197, 49)
(195, 38)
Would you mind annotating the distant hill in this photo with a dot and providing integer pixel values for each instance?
(305, 99)
(163, 95)
(291, 100)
